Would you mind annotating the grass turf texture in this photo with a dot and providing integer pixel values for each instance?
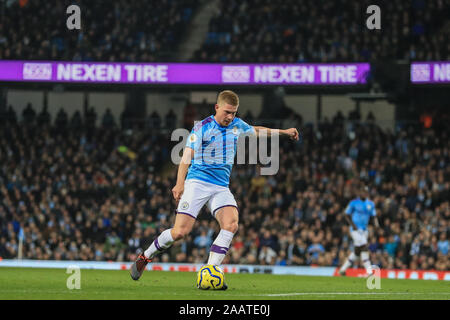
(50, 284)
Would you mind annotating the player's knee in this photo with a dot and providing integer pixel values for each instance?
(179, 233)
(231, 226)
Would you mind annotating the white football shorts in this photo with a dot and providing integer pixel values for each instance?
(359, 237)
(197, 193)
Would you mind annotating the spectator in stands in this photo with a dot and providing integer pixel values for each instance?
(91, 117)
(171, 120)
(29, 114)
(311, 31)
(443, 245)
(108, 119)
(155, 120)
(124, 32)
(76, 121)
(61, 120)
(44, 117)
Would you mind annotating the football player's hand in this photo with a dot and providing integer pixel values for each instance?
(177, 192)
(292, 133)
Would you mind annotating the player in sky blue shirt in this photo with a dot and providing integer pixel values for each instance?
(358, 213)
(215, 147)
(203, 178)
(360, 210)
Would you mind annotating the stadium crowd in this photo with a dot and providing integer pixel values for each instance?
(241, 31)
(130, 30)
(102, 193)
(325, 31)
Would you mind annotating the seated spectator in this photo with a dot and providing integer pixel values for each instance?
(108, 119)
(61, 119)
(314, 250)
(28, 114)
(76, 122)
(298, 253)
(155, 120)
(171, 120)
(151, 40)
(267, 255)
(91, 117)
(203, 240)
(44, 117)
(443, 244)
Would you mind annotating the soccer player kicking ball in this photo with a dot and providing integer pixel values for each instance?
(203, 178)
(361, 210)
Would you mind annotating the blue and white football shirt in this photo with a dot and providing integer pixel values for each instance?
(214, 149)
(361, 211)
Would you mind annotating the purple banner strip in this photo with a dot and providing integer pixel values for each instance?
(185, 73)
(430, 72)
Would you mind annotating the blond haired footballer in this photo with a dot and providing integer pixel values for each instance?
(203, 179)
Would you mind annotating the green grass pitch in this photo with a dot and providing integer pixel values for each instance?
(50, 284)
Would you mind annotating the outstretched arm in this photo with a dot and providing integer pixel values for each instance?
(350, 222)
(292, 133)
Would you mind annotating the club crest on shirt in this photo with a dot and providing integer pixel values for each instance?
(192, 138)
(235, 130)
(369, 207)
(185, 205)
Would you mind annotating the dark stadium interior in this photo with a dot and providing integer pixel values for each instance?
(241, 31)
(95, 186)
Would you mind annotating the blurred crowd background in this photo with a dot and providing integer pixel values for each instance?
(94, 187)
(323, 31)
(103, 193)
(118, 30)
(239, 31)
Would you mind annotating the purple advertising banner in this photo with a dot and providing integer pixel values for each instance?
(430, 72)
(185, 73)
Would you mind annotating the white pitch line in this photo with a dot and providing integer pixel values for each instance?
(350, 293)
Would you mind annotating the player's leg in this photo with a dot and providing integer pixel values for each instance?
(365, 258)
(348, 263)
(181, 228)
(364, 250)
(354, 256)
(228, 218)
(193, 199)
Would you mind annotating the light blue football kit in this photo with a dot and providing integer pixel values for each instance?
(361, 211)
(208, 176)
(215, 148)
(206, 183)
